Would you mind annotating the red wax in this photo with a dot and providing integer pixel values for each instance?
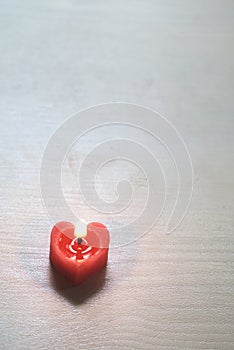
(77, 261)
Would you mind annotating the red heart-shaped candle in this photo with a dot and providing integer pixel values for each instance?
(75, 258)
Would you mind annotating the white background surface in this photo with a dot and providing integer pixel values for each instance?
(56, 57)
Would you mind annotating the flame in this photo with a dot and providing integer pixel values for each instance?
(80, 229)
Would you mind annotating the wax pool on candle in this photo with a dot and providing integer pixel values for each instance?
(77, 258)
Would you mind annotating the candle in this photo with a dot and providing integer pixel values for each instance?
(78, 256)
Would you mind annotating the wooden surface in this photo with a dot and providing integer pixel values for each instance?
(163, 292)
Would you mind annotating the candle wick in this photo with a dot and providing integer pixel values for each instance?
(79, 240)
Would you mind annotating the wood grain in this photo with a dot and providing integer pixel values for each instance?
(163, 292)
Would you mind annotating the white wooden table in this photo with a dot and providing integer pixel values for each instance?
(163, 292)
